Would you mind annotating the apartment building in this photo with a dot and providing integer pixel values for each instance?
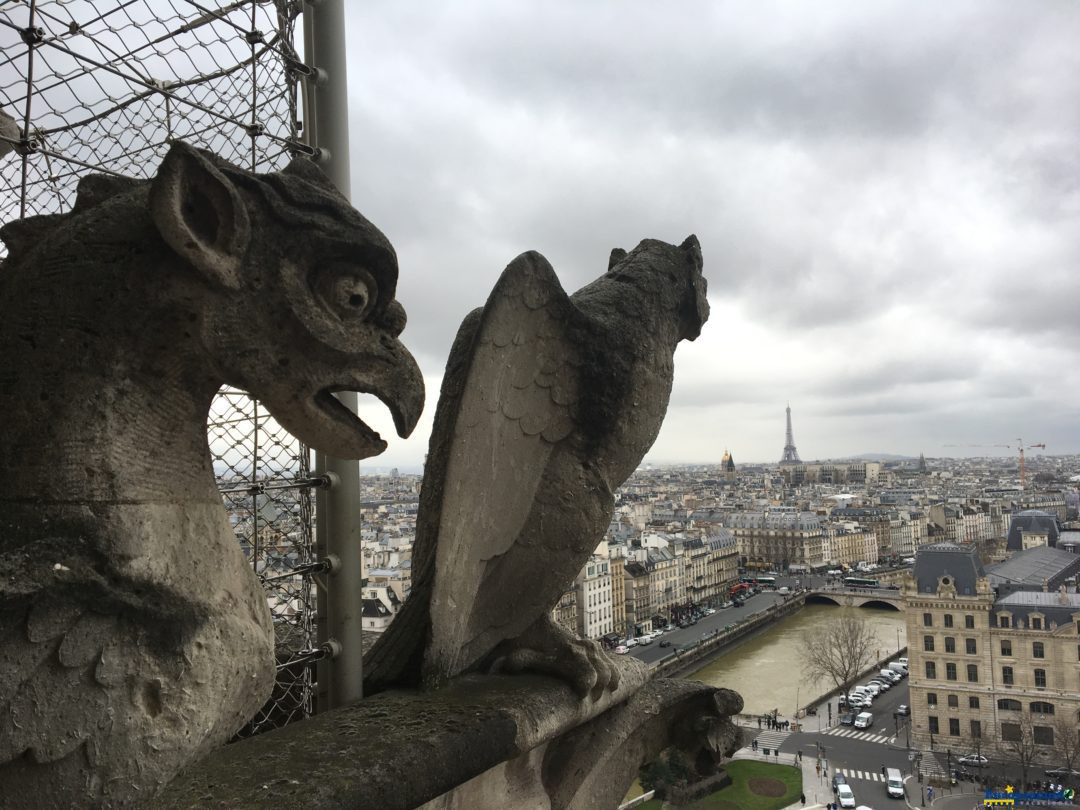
(991, 651)
(594, 595)
(778, 538)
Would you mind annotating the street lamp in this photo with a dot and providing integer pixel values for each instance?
(897, 640)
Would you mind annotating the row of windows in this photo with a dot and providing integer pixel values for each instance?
(950, 672)
(1035, 707)
(970, 645)
(1010, 732)
(1008, 677)
(953, 701)
(928, 620)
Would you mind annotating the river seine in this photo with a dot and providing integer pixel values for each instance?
(767, 669)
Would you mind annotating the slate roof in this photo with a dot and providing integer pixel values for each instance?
(1030, 568)
(1023, 603)
(959, 561)
(1032, 520)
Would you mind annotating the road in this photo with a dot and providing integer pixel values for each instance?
(706, 626)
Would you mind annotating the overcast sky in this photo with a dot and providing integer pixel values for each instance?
(886, 196)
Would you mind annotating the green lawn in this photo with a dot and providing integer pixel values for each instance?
(738, 795)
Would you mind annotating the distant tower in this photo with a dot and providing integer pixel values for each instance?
(791, 455)
(922, 463)
(727, 466)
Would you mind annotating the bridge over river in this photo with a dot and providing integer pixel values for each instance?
(856, 597)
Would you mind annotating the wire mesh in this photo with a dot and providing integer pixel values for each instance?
(94, 86)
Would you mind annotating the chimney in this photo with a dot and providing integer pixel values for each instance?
(1063, 596)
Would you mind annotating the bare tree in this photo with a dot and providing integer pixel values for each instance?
(1017, 744)
(840, 652)
(1066, 743)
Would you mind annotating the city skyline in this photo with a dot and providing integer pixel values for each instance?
(884, 193)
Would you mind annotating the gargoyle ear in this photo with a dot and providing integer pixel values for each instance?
(617, 255)
(200, 215)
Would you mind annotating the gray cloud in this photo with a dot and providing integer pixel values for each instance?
(886, 193)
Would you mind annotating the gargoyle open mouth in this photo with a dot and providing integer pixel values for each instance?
(332, 407)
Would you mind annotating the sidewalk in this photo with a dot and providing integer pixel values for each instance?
(817, 787)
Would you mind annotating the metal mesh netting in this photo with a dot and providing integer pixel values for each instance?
(104, 87)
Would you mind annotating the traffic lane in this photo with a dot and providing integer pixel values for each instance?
(706, 626)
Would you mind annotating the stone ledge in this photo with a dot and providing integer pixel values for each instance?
(396, 749)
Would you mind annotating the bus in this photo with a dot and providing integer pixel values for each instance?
(860, 582)
(759, 581)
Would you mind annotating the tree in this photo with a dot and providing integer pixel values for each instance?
(840, 653)
(1017, 744)
(1066, 743)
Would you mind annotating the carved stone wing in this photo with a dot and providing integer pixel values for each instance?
(517, 404)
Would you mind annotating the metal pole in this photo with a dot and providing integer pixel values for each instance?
(340, 616)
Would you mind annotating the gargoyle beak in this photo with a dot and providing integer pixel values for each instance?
(320, 420)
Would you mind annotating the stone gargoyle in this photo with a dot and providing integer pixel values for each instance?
(134, 636)
(548, 404)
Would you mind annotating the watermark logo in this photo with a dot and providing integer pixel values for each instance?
(1010, 797)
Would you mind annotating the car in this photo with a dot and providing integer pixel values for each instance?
(1061, 772)
(838, 780)
(631, 642)
(710, 611)
(645, 640)
(882, 684)
(622, 649)
(725, 605)
(783, 589)
(864, 720)
(903, 710)
(847, 719)
(978, 760)
(665, 643)
(902, 661)
(846, 797)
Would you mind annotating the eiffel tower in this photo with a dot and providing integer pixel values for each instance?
(791, 455)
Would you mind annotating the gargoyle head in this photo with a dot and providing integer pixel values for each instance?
(681, 266)
(299, 297)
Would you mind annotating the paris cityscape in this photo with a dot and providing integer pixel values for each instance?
(700, 560)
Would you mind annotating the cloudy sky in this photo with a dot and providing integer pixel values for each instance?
(886, 196)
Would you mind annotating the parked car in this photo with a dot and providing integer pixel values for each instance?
(847, 719)
(902, 661)
(978, 760)
(645, 640)
(1061, 773)
(622, 649)
(631, 642)
(838, 780)
(904, 710)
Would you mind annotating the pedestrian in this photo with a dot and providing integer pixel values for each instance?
(882, 770)
(818, 769)
(802, 798)
(759, 724)
(798, 755)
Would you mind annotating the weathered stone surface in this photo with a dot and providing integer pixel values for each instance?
(549, 403)
(134, 636)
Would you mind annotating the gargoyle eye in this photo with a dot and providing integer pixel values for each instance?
(349, 292)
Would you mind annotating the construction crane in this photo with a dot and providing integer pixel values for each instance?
(1020, 446)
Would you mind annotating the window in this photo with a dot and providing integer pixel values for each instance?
(954, 726)
(1036, 624)
(928, 621)
(976, 729)
(931, 670)
(950, 672)
(1040, 679)
(953, 701)
(928, 643)
(972, 673)
(969, 622)
(948, 620)
(1044, 735)
(1010, 732)
(931, 699)
(933, 725)
(1003, 621)
(1006, 649)
(1007, 676)
(1037, 650)
(1009, 705)
(950, 644)
(970, 646)
(1040, 707)
(973, 702)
